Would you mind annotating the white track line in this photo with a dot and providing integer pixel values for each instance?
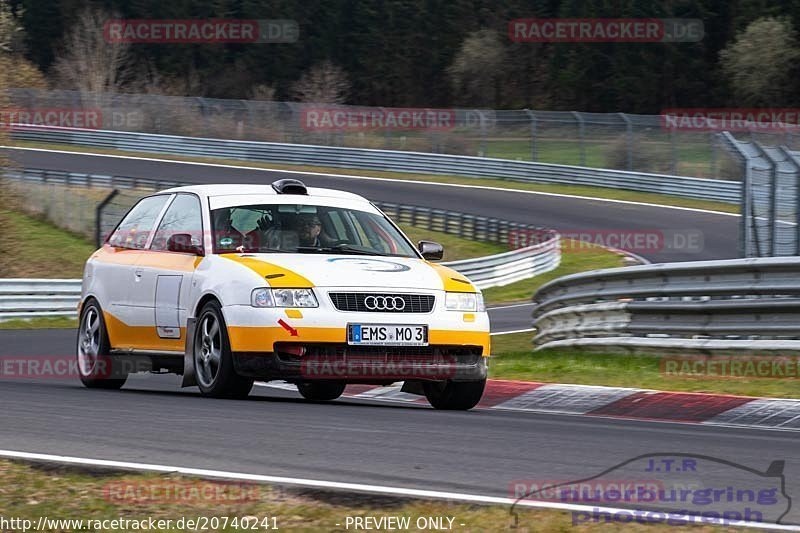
(510, 332)
(351, 176)
(529, 304)
(354, 487)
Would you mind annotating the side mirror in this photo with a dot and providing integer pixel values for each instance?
(182, 243)
(433, 251)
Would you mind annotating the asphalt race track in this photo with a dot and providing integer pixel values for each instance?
(275, 433)
(719, 231)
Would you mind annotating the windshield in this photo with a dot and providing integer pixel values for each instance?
(297, 228)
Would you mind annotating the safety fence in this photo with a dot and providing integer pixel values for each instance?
(388, 160)
(622, 141)
(739, 304)
(770, 204)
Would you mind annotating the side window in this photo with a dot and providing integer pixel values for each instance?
(182, 217)
(135, 228)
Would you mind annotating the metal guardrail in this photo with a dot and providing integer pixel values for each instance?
(387, 160)
(30, 298)
(738, 304)
(502, 269)
(27, 298)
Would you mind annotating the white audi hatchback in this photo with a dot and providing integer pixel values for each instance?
(229, 284)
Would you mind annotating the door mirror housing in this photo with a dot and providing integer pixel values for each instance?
(432, 251)
(182, 243)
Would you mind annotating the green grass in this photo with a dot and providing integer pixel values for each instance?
(573, 190)
(513, 358)
(455, 248)
(40, 323)
(58, 492)
(575, 258)
(31, 248)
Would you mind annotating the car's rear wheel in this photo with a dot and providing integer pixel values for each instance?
(213, 362)
(94, 362)
(454, 395)
(321, 391)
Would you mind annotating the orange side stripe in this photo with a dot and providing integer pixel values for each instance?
(125, 337)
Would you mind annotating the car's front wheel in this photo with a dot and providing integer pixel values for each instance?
(321, 391)
(94, 363)
(454, 395)
(213, 362)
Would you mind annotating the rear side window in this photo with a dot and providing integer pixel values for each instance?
(135, 228)
(183, 217)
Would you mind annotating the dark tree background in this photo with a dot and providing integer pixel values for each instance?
(397, 52)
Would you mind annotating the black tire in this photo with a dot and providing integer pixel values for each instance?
(213, 362)
(321, 391)
(96, 368)
(454, 395)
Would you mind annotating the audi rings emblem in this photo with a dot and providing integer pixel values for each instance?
(384, 303)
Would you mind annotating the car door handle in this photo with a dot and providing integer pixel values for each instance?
(138, 272)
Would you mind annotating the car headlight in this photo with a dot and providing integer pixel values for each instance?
(464, 301)
(264, 297)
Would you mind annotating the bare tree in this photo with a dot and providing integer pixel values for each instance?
(761, 62)
(15, 70)
(477, 68)
(324, 82)
(90, 63)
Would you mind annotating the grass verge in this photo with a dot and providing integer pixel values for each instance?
(513, 358)
(53, 322)
(30, 492)
(597, 192)
(31, 248)
(455, 248)
(577, 257)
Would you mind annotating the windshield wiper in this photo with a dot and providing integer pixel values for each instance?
(339, 249)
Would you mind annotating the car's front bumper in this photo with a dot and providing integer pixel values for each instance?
(372, 368)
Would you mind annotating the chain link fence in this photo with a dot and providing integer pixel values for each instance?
(618, 141)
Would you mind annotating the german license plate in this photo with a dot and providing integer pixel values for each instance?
(387, 335)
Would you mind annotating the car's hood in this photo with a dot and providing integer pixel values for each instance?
(324, 270)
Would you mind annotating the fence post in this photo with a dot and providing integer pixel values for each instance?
(98, 217)
(796, 199)
(484, 150)
(532, 117)
(628, 140)
(673, 146)
(581, 136)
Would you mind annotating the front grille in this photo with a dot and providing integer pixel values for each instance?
(366, 302)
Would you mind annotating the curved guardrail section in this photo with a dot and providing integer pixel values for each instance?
(738, 304)
(503, 269)
(387, 160)
(31, 298)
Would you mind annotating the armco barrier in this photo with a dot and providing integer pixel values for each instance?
(501, 269)
(738, 304)
(30, 298)
(387, 160)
